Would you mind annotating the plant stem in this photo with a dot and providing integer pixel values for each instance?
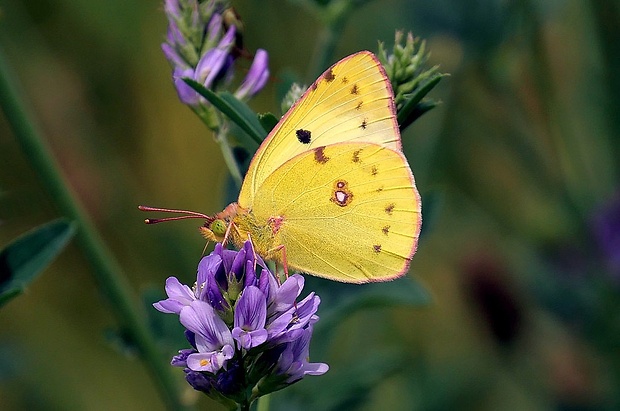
(324, 50)
(105, 267)
(229, 158)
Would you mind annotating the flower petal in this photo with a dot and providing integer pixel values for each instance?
(211, 331)
(179, 296)
(256, 78)
(200, 362)
(187, 95)
(251, 309)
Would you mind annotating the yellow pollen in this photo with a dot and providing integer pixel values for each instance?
(204, 363)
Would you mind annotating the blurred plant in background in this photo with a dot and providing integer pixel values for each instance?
(520, 163)
(204, 40)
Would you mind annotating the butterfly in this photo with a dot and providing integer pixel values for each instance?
(329, 191)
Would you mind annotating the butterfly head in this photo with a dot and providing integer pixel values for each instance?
(216, 227)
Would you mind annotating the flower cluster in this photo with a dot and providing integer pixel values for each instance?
(248, 334)
(202, 43)
(411, 79)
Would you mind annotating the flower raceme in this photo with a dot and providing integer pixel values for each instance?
(202, 44)
(247, 333)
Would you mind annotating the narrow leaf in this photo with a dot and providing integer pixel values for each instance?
(23, 259)
(268, 121)
(418, 111)
(411, 106)
(237, 111)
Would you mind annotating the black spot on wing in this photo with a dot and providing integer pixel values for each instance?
(304, 136)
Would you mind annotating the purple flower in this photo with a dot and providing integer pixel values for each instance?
(200, 45)
(172, 8)
(214, 342)
(293, 362)
(179, 296)
(186, 94)
(606, 230)
(250, 317)
(214, 62)
(248, 335)
(256, 78)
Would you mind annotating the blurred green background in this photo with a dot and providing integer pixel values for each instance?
(520, 160)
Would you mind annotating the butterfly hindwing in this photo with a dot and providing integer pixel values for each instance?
(348, 211)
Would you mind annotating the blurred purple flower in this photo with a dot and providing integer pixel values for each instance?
(201, 46)
(246, 331)
(256, 78)
(215, 62)
(606, 231)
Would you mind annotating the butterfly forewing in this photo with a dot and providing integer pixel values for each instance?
(348, 211)
(351, 101)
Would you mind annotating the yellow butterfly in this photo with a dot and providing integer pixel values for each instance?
(329, 192)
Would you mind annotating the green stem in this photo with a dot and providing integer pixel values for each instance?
(325, 47)
(229, 157)
(106, 269)
(333, 17)
(575, 189)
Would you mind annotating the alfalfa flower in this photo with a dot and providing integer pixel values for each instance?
(247, 333)
(202, 44)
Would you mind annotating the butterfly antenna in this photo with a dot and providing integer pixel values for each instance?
(188, 214)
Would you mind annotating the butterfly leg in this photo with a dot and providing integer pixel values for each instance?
(231, 225)
(253, 250)
(282, 248)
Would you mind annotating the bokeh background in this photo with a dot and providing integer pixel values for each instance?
(521, 159)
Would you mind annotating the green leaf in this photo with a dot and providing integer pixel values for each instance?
(413, 108)
(353, 386)
(432, 203)
(344, 299)
(23, 259)
(348, 387)
(268, 121)
(236, 110)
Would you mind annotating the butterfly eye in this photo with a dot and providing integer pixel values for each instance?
(218, 227)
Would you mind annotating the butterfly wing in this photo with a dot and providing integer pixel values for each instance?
(351, 101)
(349, 212)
